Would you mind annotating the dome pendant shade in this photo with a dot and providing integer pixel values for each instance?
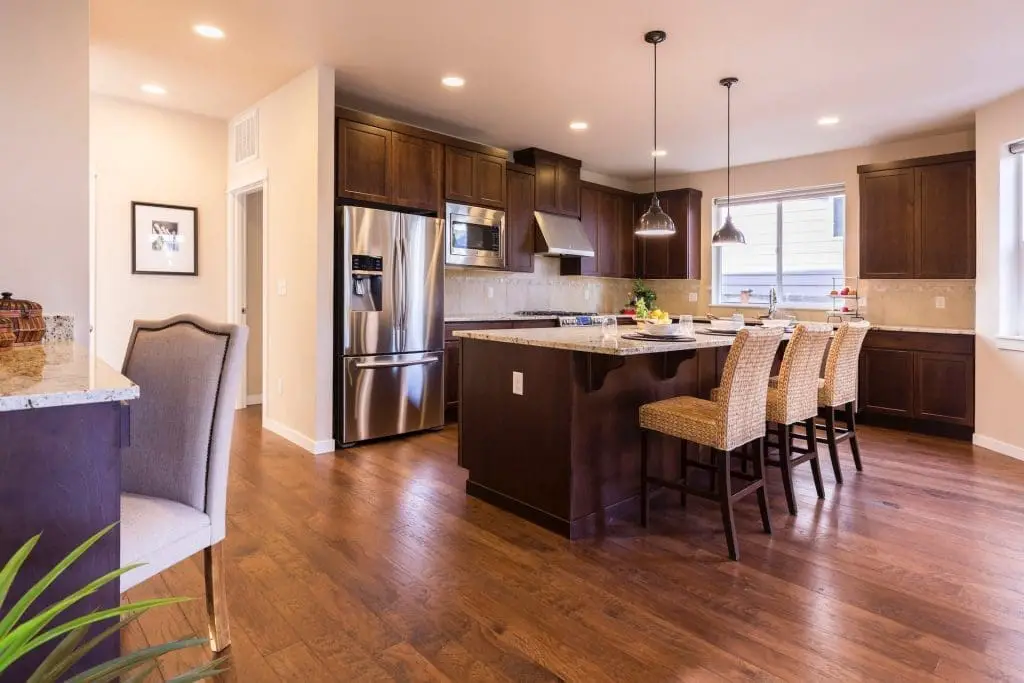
(655, 222)
(728, 234)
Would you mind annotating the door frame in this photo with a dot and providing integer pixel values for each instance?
(236, 276)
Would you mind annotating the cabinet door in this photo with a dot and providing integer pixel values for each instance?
(653, 257)
(519, 230)
(489, 181)
(607, 246)
(944, 387)
(458, 175)
(451, 381)
(887, 225)
(590, 207)
(887, 382)
(364, 160)
(547, 178)
(627, 240)
(416, 172)
(683, 248)
(945, 221)
(567, 185)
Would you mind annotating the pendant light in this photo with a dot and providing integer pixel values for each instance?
(655, 222)
(728, 233)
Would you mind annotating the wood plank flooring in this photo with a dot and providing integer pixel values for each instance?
(374, 565)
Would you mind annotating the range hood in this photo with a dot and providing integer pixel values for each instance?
(561, 236)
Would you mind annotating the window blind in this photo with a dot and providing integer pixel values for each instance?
(783, 195)
(1017, 147)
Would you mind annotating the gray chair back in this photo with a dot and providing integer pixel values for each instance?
(189, 371)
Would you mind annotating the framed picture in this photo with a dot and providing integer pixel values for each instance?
(165, 239)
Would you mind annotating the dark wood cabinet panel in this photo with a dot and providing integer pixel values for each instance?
(416, 172)
(558, 180)
(458, 175)
(627, 240)
(887, 224)
(567, 188)
(363, 162)
(451, 380)
(944, 387)
(534, 324)
(675, 256)
(609, 212)
(519, 222)
(489, 180)
(887, 382)
(547, 173)
(590, 206)
(945, 221)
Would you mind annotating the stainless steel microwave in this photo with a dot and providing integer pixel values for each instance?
(474, 236)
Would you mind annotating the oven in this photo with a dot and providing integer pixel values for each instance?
(474, 236)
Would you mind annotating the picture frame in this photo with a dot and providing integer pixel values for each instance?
(164, 239)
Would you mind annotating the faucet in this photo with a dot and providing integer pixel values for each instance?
(773, 303)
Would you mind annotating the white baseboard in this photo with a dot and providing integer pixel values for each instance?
(254, 399)
(300, 440)
(998, 446)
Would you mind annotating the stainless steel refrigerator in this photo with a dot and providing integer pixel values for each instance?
(389, 319)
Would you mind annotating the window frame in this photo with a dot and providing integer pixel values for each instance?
(718, 206)
(1011, 318)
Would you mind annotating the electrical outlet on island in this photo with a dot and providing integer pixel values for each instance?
(940, 302)
(517, 383)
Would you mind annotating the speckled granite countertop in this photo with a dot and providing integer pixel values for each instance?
(926, 330)
(58, 374)
(589, 340)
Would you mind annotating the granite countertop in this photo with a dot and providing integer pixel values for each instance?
(589, 340)
(58, 374)
(925, 330)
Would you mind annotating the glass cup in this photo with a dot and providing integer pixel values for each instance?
(609, 327)
(686, 325)
(738, 318)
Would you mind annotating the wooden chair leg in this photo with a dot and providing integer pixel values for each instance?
(812, 444)
(725, 491)
(854, 446)
(683, 445)
(216, 597)
(762, 493)
(833, 447)
(786, 465)
(644, 493)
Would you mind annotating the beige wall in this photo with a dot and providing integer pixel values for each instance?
(888, 302)
(142, 153)
(44, 156)
(254, 293)
(999, 374)
(296, 158)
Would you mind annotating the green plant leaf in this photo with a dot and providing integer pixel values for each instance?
(53, 674)
(201, 672)
(48, 671)
(108, 671)
(12, 617)
(10, 569)
(140, 676)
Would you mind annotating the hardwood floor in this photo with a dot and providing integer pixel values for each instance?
(373, 564)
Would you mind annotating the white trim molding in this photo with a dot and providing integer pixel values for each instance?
(300, 440)
(254, 399)
(1008, 342)
(998, 446)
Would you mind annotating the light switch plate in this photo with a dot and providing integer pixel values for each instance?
(692, 297)
(940, 302)
(282, 287)
(517, 383)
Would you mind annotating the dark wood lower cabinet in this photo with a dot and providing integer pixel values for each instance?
(887, 381)
(944, 387)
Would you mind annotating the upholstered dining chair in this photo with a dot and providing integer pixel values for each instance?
(174, 474)
(838, 389)
(733, 419)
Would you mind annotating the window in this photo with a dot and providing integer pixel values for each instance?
(1011, 240)
(795, 243)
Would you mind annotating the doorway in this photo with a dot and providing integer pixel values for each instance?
(247, 299)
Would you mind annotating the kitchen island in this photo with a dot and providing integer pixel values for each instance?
(548, 425)
(63, 419)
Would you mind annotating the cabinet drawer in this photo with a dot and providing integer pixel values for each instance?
(528, 324)
(451, 328)
(920, 341)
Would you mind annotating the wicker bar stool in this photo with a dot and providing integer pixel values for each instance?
(735, 419)
(838, 388)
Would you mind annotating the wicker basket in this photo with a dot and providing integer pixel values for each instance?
(6, 334)
(26, 319)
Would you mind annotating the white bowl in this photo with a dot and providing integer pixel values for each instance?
(776, 323)
(726, 325)
(663, 330)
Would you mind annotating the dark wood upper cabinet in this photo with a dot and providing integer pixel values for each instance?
(607, 217)
(416, 172)
(607, 244)
(489, 178)
(917, 218)
(364, 162)
(676, 256)
(519, 222)
(558, 180)
(458, 175)
(627, 240)
(474, 178)
(945, 221)
(590, 207)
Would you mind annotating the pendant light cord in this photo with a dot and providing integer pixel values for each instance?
(655, 121)
(728, 152)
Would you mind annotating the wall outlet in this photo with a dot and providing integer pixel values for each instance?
(282, 287)
(490, 292)
(692, 298)
(940, 302)
(280, 386)
(517, 383)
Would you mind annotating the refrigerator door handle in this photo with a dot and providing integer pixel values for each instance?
(369, 365)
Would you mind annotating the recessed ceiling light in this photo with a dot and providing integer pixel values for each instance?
(207, 31)
(828, 120)
(154, 89)
(453, 81)
(579, 125)
(658, 153)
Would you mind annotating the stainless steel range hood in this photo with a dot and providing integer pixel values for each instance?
(561, 236)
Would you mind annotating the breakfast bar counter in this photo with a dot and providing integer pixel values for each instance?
(548, 425)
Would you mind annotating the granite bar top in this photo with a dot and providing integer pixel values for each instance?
(925, 330)
(58, 374)
(589, 340)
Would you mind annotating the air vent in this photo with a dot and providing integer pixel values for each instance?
(246, 132)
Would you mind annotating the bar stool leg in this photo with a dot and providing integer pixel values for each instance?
(725, 491)
(812, 444)
(644, 493)
(854, 446)
(786, 465)
(833, 447)
(762, 493)
(683, 445)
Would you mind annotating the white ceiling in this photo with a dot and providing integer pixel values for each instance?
(888, 68)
